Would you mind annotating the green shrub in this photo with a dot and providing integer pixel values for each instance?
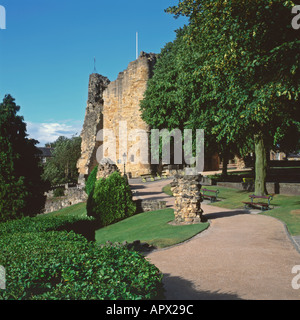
(59, 192)
(64, 266)
(111, 200)
(91, 180)
(39, 224)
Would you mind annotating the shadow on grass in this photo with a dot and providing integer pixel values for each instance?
(178, 288)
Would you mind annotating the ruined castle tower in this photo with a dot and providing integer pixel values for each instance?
(93, 122)
(111, 104)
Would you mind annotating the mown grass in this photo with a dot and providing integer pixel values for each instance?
(286, 208)
(77, 210)
(151, 227)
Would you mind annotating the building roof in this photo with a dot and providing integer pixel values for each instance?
(46, 152)
(294, 155)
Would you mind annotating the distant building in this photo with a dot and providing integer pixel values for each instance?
(282, 156)
(293, 156)
(46, 153)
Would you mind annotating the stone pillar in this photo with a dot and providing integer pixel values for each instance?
(186, 190)
(240, 163)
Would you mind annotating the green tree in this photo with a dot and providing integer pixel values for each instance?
(21, 187)
(251, 68)
(61, 168)
(179, 96)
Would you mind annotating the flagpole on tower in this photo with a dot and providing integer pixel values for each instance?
(95, 70)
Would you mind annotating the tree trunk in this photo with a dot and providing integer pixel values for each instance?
(225, 163)
(260, 166)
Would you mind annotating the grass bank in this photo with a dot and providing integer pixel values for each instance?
(151, 227)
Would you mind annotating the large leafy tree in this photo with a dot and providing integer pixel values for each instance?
(250, 72)
(21, 187)
(179, 94)
(61, 168)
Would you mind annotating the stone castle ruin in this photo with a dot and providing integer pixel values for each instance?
(109, 105)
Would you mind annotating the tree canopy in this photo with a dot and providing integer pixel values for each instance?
(61, 168)
(238, 76)
(21, 187)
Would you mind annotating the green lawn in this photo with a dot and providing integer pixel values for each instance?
(77, 210)
(284, 206)
(151, 227)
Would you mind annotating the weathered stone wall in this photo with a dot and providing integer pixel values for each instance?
(110, 103)
(106, 168)
(93, 123)
(145, 205)
(186, 190)
(72, 196)
(122, 106)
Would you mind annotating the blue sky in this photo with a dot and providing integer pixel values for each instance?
(47, 53)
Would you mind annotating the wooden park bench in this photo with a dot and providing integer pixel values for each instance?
(210, 194)
(263, 202)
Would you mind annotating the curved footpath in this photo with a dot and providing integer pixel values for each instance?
(240, 256)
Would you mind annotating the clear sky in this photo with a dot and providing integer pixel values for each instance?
(48, 47)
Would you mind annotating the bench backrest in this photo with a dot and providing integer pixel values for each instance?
(260, 197)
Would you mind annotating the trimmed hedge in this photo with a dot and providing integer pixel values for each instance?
(64, 266)
(111, 200)
(39, 224)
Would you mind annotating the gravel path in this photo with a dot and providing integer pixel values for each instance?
(240, 256)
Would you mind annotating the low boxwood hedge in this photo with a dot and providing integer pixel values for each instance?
(43, 263)
(60, 265)
(40, 223)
